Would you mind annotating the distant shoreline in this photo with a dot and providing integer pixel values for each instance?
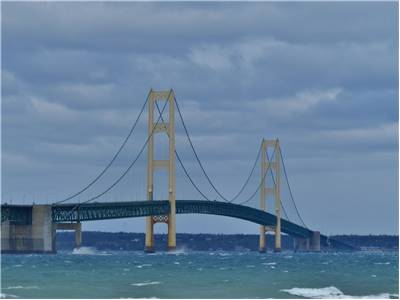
(211, 242)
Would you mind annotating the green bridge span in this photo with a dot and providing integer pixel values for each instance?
(62, 213)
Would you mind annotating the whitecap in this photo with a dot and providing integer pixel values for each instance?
(143, 265)
(17, 266)
(331, 292)
(17, 287)
(146, 283)
(382, 263)
(269, 264)
(85, 251)
(3, 295)
(178, 251)
(177, 263)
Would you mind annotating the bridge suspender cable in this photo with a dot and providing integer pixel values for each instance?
(248, 178)
(182, 165)
(262, 182)
(273, 181)
(130, 166)
(290, 191)
(201, 165)
(113, 159)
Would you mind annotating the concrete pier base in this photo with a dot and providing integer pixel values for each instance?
(301, 244)
(77, 227)
(316, 242)
(36, 237)
(308, 244)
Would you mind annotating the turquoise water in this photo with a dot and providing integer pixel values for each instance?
(88, 273)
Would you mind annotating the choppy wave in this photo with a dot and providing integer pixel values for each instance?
(178, 251)
(269, 264)
(85, 251)
(146, 283)
(88, 251)
(331, 292)
(143, 265)
(17, 287)
(3, 295)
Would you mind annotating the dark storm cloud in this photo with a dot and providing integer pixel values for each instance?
(321, 76)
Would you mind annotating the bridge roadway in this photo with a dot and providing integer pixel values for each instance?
(74, 212)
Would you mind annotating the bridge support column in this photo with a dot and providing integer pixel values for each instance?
(263, 205)
(78, 235)
(266, 165)
(316, 241)
(301, 244)
(149, 241)
(154, 164)
(76, 227)
(35, 236)
(313, 243)
(262, 248)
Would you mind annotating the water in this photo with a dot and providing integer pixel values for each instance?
(87, 273)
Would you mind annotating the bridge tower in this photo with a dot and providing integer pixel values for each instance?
(274, 164)
(154, 164)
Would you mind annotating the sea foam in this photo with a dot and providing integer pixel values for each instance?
(331, 292)
(85, 251)
(18, 287)
(3, 295)
(88, 251)
(146, 283)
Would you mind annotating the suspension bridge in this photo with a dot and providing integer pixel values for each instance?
(32, 228)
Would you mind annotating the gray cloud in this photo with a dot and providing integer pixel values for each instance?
(320, 76)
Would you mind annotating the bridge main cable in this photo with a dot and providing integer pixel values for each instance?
(203, 169)
(113, 158)
(129, 167)
(182, 165)
(290, 191)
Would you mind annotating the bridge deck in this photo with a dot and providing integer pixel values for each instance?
(116, 210)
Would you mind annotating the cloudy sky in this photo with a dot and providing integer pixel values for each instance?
(320, 76)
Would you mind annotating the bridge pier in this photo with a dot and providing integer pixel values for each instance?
(312, 243)
(262, 246)
(77, 227)
(36, 235)
(316, 241)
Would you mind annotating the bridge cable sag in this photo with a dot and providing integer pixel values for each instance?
(113, 159)
(262, 182)
(182, 165)
(290, 191)
(273, 180)
(130, 166)
(201, 165)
